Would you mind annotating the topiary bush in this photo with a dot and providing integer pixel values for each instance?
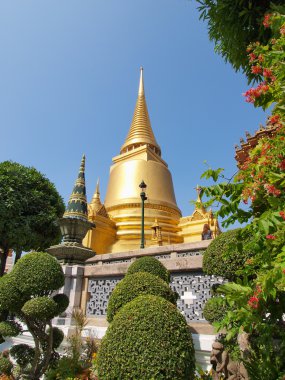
(134, 285)
(57, 337)
(215, 309)
(22, 354)
(39, 273)
(62, 302)
(10, 328)
(217, 262)
(148, 339)
(43, 308)
(150, 265)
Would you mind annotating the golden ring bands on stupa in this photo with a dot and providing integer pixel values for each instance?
(118, 219)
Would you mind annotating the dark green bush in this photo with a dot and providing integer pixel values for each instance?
(148, 339)
(10, 297)
(10, 328)
(38, 273)
(150, 265)
(57, 336)
(5, 366)
(215, 309)
(23, 354)
(226, 254)
(62, 302)
(43, 308)
(134, 285)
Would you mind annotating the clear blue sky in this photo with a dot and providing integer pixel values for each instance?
(69, 73)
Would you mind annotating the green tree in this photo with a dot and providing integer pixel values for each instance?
(29, 208)
(26, 292)
(234, 24)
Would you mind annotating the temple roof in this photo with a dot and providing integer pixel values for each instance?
(77, 204)
(140, 132)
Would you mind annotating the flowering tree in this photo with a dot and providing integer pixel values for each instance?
(257, 300)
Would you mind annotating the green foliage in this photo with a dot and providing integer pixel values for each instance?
(227, 254)
(234, 24)
(62, 302)
(150, 265)
(215, 309)
(134, 285)
(43, 308)
(5, 366)
(10, 296)
(30, 207)
(27, 292)
(22, 354)
(10, 328)
(66, 367)
(148, 339)
(257, 297)
(57, 337)
(31, 271)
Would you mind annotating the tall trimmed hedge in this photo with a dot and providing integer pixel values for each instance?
(226, 254)
(150, 265)
(148, 339)
(135, 285)
(215, 309)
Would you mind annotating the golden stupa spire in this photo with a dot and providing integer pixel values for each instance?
(140, 132)
(199, 203)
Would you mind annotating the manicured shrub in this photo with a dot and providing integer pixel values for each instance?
(23, 354)
(215, 309)
(10, 296)
(217, 261)
(134, 285)
(62, 302)
(5, 366)
(150, 265)
(41, 308)
(57, 336)
(65, 368)
(38, 273)
(148, 339)
(10, 328)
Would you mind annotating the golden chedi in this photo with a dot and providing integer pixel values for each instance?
(118, 220)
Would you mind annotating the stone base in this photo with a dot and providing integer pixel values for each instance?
(71, 253)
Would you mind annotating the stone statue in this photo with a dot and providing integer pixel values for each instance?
(223, 367)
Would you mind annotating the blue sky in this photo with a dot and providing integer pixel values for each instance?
(69, 73)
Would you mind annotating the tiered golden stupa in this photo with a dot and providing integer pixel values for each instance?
(118, 220)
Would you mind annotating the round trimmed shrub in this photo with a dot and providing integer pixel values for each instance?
(135, 285)
(23, 354)
(62, 302)
(10, 328)
(41, 308)
(215, 309)
(38, 273)
(148, 339)
(225, 255)
(150, 265)
(57, 337)
(5, 366)
(10, 296)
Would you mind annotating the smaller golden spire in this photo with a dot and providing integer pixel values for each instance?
(96, 207)
(199, 200)
(97, 191)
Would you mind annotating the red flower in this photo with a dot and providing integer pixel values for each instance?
(252, 57)
(282, 30)
(282, 214)
(270, 237)
(283, 271)
(254, 93)
(253, 302)
(274, 119)
(282, 165)
(271, 189)
(267, 73)
(256, 69)
(273, 41)
(266, 20)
